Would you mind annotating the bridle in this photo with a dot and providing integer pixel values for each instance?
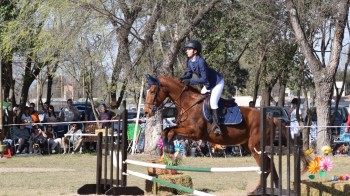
(154, 108)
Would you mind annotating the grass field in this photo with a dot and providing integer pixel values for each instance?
(64, 174)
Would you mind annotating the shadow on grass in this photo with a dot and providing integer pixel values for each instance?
(206, 190)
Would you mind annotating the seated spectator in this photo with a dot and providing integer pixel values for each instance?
(75, 139)
(38, 139)
(23, 136)
(34, 113)
(27, 119)
(51, 138)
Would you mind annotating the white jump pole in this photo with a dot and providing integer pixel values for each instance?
(137, 121)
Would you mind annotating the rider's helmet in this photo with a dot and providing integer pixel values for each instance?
(195, 45)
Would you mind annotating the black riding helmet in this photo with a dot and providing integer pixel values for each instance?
(195, 45)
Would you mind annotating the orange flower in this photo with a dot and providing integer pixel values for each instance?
(314, 167)
(318, 159)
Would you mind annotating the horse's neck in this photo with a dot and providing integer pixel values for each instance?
(185, 97)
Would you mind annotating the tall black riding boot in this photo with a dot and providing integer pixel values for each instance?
(217, 130)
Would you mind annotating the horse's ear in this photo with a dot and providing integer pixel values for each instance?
(151, 80)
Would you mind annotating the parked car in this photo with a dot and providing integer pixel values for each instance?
(83, 108)
(281, 114)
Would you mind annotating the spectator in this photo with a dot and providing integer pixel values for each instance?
(50, 137)
(106, 115)
(251, 104)
(75, 139)
(27, 118)
(16, 115)
(294, 122)
(347, 124)
(46, 106)
(51, 117)
(23, 136)
(114, 108)
(69, 114)
(38, 139)
(34, 113)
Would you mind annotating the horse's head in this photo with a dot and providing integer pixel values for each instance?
(155, 96)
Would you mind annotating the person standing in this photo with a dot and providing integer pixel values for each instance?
(69, 114)
(212, 80)
(50, 117)
(105, 114)
(294, 122)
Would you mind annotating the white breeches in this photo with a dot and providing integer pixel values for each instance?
(215, 94)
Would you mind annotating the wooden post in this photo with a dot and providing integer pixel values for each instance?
(125, 144)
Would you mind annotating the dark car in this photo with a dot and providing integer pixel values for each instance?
(84, 109)
(281, 114)
(278, 112)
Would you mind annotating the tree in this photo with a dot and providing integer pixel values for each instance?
(335, 20)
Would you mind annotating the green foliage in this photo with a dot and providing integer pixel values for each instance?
(171, 161)
(223, 38)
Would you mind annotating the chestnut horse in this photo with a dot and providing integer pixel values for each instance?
(192, 124)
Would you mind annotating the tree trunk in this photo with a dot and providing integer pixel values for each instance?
(152, 133)
(265, 96)
(323, 112)
(282, 92)
(323, 76)
(50, 76)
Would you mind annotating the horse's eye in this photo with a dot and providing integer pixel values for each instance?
(153, 92)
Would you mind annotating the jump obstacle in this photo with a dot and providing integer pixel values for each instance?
(116, 145)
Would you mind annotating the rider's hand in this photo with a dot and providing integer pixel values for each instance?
(186, 81)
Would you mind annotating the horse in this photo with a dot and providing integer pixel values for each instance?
(192, 124)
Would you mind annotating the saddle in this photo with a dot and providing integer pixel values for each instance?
(229, 112)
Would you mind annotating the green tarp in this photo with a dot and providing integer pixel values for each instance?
(5, 105)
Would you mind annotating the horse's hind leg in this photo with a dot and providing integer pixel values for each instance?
(256, 156)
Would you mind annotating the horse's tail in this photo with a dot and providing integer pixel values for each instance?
(304, 159)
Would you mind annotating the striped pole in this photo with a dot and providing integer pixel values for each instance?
(168, 184)
(194, 169)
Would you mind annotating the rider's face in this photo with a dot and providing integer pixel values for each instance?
(191, 52)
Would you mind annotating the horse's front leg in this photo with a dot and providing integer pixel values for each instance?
(169, 133)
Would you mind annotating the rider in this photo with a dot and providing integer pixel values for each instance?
(212, 80)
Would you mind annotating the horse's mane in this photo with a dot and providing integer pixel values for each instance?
(175, 81)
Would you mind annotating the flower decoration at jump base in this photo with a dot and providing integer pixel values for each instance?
(341, 177)
(319, 164)
(326, 150)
